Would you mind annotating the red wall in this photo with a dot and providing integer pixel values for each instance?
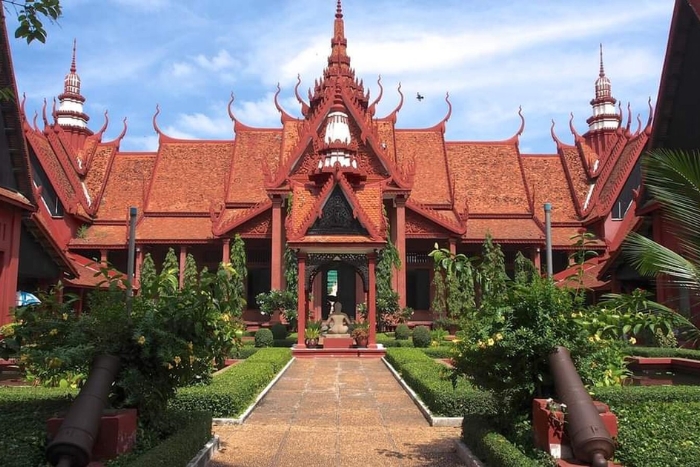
(10, 221)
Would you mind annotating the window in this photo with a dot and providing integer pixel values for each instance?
(48, 194)
(418, 289)
(258, 282)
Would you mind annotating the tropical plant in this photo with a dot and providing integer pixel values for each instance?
(360, 330)
(278, 300)
(387, 299)
(421, 337)
(673, 180)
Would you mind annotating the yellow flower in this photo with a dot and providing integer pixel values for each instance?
(53, 332)
(633, 340)
(596, 337)
(481, 345)
(226, 317)
(141, 340)
(65, 316)
(190, 346)
(490, 342)
(177, 360)
(590, 339)
(170, 367)
(191, 359)
(499, 336)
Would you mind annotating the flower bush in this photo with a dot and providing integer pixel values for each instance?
(171, 337)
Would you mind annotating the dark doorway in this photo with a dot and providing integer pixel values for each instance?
(339, 278)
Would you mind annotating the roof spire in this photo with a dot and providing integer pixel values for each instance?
(70, 111)
(602, 70)
(72, 65)
(339, 10)
(604, 119)
(338, 60)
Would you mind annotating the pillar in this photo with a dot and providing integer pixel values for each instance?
(276, 260)
(400, 243)
(453, 246)
(301, 300)
(183, 260)
(226, 250)
(537, 259)
(103, 257)
(372, 301)
(10, 229)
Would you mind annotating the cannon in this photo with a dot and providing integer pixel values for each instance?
(72, 445)
(590, 440)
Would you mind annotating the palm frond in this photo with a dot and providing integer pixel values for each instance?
(652, 259)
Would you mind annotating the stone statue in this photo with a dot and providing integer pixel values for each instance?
(337, 321)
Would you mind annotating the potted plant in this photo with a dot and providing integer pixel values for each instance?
(312, 334)
(361, 333)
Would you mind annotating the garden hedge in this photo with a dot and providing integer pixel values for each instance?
(194, 431)
(23, 415)
(233, 390)
(639, 351)
(491, 447)
(431, 381)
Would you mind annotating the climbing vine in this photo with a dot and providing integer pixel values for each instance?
(239, 262)
(387, 298)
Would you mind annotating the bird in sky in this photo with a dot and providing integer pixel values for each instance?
(419, 96)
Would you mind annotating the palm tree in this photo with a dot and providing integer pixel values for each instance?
(673, 180)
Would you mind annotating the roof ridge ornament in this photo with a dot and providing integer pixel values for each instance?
(577, 137)
(285, 117)
(647, 129)
(304, 105)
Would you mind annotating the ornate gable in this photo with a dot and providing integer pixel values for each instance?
(337, 217)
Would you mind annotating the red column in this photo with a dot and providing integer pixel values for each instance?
(537, 259)
(453, 245)
(10, 228)
(226, 250)
(103, 258)
(183, 259)
(276, 260)
(301, 300)
(139, 264)
(400, 242)
(371, 301)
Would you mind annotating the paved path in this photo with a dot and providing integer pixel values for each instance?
(336, 412)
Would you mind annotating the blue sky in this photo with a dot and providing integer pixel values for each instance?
(492, 57)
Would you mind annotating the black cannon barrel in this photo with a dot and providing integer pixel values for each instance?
(72, 445)
(590, 440)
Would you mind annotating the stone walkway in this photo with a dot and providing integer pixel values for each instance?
(336, 412)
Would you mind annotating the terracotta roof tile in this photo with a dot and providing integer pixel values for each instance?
(253, 148)
(385, 131)
(591, 270)
(418, 225)
(303, 200)
(52, 167)
(370, 199)
(547, 180)
(126, 185)
(426, 148)
(89, 272)
(579, 177)
(290, 139)
(488, 177)
(188, 176)
(95, 177)
(335, 239)
(614, 177)
(102, 235)
(567, 237)
(13, 197)
(513, 230)
(174, 228)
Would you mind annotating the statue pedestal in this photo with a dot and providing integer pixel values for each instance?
(337, 341)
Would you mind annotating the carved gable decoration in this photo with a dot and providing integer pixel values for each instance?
(337, 217)
(417, 226)
(259, 226)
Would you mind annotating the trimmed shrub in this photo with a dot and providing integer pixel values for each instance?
(439, 352)
(492, 447)
(23, 429)
(264, 338)
(279, 331)
(402, 332)
(433, 384)
(422, 337)
(192, 432)
(233, 390)
(662, 352)
(244, 352)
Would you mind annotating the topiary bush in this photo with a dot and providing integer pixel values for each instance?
(279, 331)
(422, 337)
(264, 338)
(402, 332)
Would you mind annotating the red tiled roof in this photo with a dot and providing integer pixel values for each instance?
(253, 149)
(233, 218)
(15, 198)
(99, 165)
(303, 201)
(504, 230)
(487, 177)
(153, 229)
(580, 183)
(188, 175)
(567, 236)
(102, 235)
(547, 180)
(126, 185)
(385, 131)
(427, 149)
(89, 273)
(589, 280)
(52, 167)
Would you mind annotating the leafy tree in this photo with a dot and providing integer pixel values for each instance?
(387, 298)
(239, 263)
(148, 276)
(491, 277)
(168, 279)
(29, 15)
(191, 273)
(673, 180)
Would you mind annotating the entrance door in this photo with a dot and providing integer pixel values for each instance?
(339, 278)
